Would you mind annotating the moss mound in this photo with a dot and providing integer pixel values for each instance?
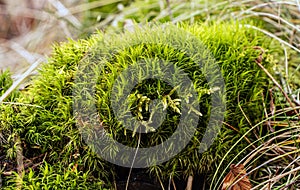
(51, 128)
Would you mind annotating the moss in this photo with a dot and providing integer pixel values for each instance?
(7, 109)
(5, 82)
(52, 128)
(56, 177)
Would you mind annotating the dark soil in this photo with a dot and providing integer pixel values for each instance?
(141, 180)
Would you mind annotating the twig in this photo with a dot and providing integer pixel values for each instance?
(273, 36)
(27, 166)
(62, 11)
(233, 128)
(20, 168)
(258, 62)
(30, 58)
(174, 186)
(161, 183)
(266, 113)
(21, 79)
(137, 148)
(170, 180)
(22, 104)
(189, 183)
(248, 120)
(272, 105)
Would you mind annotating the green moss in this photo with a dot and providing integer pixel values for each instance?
(55, 177)
(53, 129)
(5, 82)
(7, 109)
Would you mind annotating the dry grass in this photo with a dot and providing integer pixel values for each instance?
(28, 30)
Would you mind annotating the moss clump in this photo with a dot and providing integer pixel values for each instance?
(53, 129)
(56, 177)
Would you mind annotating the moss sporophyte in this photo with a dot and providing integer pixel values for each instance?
(113, 99)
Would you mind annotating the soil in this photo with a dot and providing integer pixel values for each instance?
(140, 180)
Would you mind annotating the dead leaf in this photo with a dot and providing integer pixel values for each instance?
(236, 179)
